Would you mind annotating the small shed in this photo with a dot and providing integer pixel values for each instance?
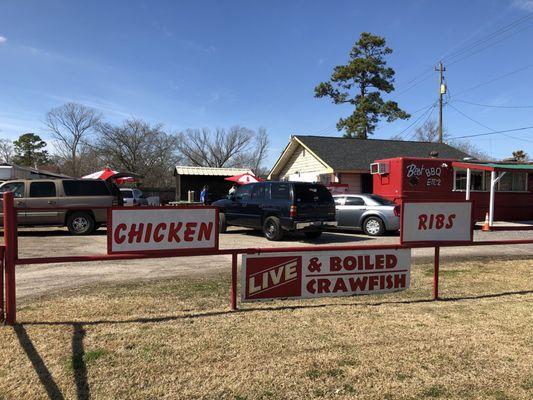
(195, 178)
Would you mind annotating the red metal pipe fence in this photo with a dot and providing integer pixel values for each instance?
(9, 258)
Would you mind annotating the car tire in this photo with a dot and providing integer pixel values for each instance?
(313, 234)
(222, 226)
(373, 226)
(272, 229)
(80, 223)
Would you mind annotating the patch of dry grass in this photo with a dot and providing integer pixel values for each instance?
(176, 339)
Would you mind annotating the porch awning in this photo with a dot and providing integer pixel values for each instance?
(491, 166)
(497, 171)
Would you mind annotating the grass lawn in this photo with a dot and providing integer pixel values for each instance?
(176, 339)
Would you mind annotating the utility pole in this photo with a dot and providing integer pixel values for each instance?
(442, 91)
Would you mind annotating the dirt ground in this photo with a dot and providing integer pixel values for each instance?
(176, 339)
(35, 280)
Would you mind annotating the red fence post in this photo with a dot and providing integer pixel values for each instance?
(436, 274)
(10, 238)
(2, 316)
(233, 289)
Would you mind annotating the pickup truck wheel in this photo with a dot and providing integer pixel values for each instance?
(373, 226)
(313, 234)
(222, 226)
(272, 229)
(80, 223)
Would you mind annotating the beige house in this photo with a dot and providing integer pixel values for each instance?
(345, 163)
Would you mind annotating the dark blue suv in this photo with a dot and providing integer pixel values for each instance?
(277, 207)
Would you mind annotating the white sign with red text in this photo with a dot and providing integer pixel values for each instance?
(162, 230)
(310, 274)
(436, 222)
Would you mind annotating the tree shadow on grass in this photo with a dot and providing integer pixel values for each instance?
(79, 367)
(38, 364)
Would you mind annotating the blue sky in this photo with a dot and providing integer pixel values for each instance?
(193, 64)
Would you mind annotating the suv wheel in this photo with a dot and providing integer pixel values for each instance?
(313, 234)
(373, 226)
(80, 223)
(272, 229)
(222, 226)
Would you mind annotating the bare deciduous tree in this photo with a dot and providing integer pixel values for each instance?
(70, 126)
(138, 147)
(6, 151)
(236, 147)
(429, 132)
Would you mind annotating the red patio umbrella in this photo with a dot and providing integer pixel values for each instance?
(104, 174)
(107, 173)
(243, 179)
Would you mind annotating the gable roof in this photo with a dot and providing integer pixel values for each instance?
(346, 154)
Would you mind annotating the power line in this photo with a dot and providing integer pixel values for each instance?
(426, 73)
(428, 110)
(487, 127)
(493, 133)
(489, 105)
(470, 118)
(488, 38)
(494, 79)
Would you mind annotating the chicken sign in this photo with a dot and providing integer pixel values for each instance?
(162, 230)
(436, 222)
(311, 274)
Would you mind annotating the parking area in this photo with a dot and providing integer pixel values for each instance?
(35, 280)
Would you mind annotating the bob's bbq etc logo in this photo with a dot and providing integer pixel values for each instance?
(415, 173)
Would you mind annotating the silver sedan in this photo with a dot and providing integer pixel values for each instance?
(371, 213)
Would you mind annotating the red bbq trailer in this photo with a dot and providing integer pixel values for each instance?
(507, 186)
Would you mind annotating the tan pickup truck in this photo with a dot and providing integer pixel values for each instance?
(53, 193)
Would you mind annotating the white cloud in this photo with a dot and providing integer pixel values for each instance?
(3, 39)
(524, 4)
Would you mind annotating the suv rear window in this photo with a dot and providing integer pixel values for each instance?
(42, 189)
(312, 194)
(85, 188)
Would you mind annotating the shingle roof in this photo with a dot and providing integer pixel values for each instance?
(345, 154)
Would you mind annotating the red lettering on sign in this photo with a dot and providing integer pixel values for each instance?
(158, 237)
(135, 233)
(173, 231)
(117, 236)
(190, 228)
(148, 232)
(205, 231)
(422, 218)
(435, 221)
(451, 217)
